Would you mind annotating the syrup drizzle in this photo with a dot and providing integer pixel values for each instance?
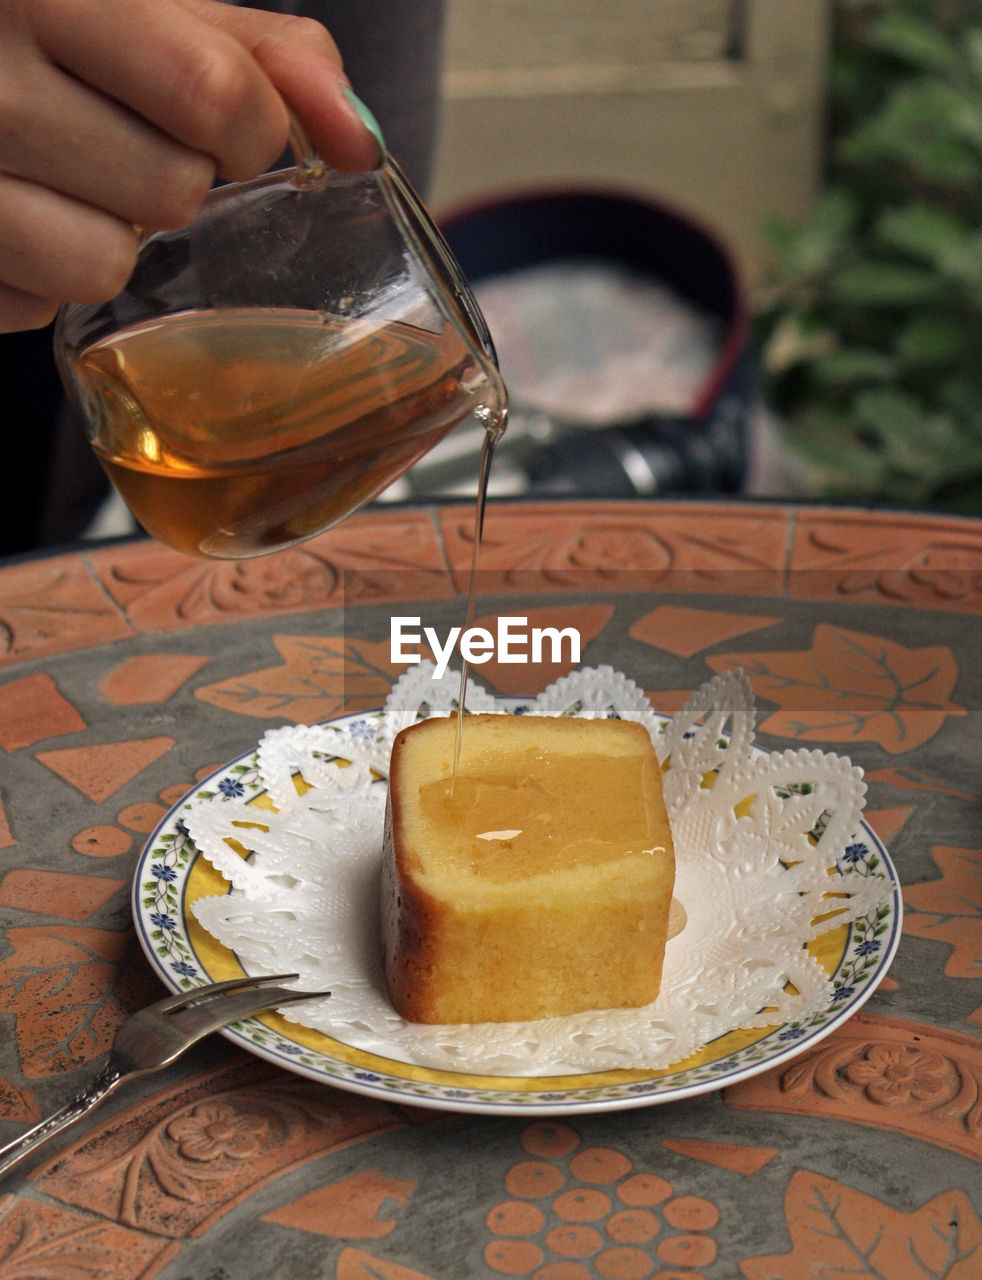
(494, 430)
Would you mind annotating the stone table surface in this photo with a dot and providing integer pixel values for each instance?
(129, 672)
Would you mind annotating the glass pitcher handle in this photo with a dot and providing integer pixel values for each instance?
(309, 168)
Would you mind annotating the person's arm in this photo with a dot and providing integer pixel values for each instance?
(118, 114)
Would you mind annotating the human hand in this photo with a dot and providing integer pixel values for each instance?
(118, 114)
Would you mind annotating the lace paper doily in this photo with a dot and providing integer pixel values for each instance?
(762, 869)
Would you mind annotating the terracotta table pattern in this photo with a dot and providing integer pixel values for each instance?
(130, 671)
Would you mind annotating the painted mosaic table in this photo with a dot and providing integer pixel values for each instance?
(129, 672)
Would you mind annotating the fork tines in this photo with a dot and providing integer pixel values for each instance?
(200, 995)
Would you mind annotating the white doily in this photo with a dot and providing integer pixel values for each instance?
(757, 856)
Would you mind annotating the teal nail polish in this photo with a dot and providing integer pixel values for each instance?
(365, 116)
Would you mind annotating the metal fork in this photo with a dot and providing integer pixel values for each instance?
(156, 1037)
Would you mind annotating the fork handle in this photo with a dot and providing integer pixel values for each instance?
(14, 1152)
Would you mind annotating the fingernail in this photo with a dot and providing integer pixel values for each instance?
(365, 116)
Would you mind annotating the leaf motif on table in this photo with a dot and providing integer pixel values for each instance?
(885, 1073)
(18, 1104)
(206, 1145)
(82, 983)
(166, 1165)
(799, 1079)
(368, 559)
(48, 606)
(851, 686)
(631, 548)
(949, 909)
(907, 778)
(353, 1264)
(297, 579)
(936, 564)
(837, 1231)
(319, 677)
(161, 589)
(41, 1241)
(358, 1206)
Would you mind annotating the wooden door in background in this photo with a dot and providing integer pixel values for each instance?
(713, 105)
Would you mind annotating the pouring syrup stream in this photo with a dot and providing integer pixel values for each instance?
(420, 231)
(493, 432)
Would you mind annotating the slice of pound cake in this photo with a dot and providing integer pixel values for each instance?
(534, 882)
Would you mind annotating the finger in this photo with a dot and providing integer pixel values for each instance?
(302, 61)
(188, 76)
(115, 161)
(54, 247)
(19, 310)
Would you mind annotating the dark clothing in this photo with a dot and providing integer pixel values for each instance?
(392, 52)
(51, 485)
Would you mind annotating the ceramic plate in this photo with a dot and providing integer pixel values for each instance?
(171, 875)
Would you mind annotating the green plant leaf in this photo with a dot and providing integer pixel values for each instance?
(920, 126)
(930, 232)
(837, 212)
(914, 39)
(873, 316)
(932, 339)
(811, 250)
(891, 412)
(847, 367)
(961, 394)
(879, 283)
(972, 44)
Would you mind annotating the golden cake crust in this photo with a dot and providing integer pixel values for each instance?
(504, 938)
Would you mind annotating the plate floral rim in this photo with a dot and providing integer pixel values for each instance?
(160, 912)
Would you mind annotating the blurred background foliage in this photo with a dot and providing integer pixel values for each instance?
(870, 323)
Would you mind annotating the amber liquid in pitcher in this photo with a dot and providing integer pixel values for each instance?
(232, 434)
